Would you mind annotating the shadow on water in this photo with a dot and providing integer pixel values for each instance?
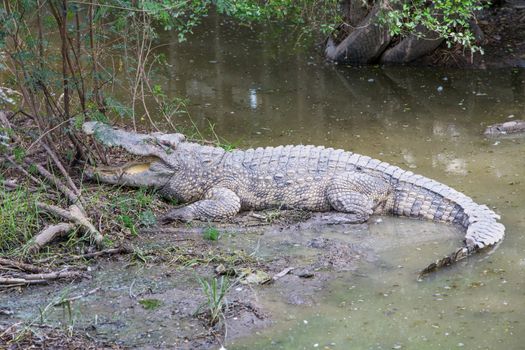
(426, 119)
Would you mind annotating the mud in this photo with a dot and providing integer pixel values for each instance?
(152, 298)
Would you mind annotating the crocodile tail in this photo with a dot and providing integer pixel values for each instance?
(428, 199)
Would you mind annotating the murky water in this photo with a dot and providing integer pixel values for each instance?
(428, 120)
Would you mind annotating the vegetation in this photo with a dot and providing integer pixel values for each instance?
(215, 292)
(211, 233)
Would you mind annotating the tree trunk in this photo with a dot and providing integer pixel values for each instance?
(365, 43)
(412, 47)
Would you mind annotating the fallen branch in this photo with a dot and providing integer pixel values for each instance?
(48, 234)
(76, 215)
(60, 166)
(21, 266)
(10, 281)
(39, 278)
(51, 276)
(73, 198)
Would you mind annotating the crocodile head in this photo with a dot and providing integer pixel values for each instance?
(155, 156)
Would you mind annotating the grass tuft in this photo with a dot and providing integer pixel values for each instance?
(215, 291)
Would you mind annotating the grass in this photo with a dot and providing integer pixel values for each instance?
(211, 233)
(132, 209)
(18, 218)
(215, 291)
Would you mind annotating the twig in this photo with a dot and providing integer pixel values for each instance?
(68, 300)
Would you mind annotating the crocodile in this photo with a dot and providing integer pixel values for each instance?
(217, 184)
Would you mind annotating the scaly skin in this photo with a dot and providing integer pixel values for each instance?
(219, 184)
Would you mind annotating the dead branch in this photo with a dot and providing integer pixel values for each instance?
(21, 169)
(50, 276)
(73, 198)
(60, 166)
(10, 281)
(48, 234)
(76, 215)
(40, 278)
(21, 266)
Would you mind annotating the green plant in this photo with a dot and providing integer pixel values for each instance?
(18, 218)
(150, 304)
(211, 233)
(448, 19)
(215, 291)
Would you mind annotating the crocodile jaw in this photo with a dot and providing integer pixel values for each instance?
(145, 173)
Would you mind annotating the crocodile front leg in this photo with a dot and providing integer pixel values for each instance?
(219, 203)
(358, 194)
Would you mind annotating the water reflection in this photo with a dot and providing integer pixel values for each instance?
(253, 98)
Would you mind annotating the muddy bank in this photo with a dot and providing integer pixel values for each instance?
(152, 298)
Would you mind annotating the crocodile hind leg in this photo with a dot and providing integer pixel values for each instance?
(358, 194)
(218, 203)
